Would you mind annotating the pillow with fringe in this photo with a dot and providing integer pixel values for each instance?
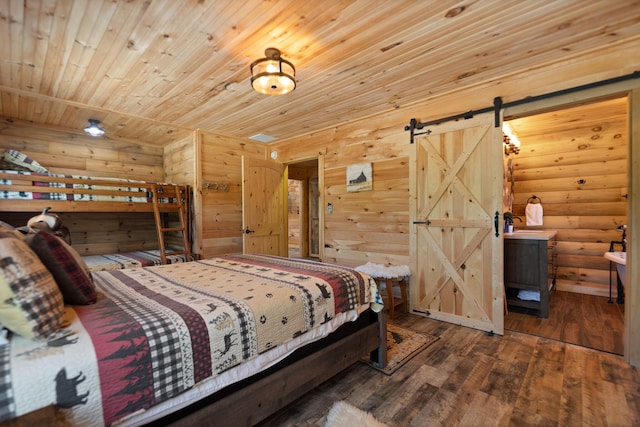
(31, 304)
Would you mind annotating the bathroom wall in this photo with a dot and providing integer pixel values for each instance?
(575, 161)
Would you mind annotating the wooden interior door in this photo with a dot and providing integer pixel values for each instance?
(264, 207)
(456, 238)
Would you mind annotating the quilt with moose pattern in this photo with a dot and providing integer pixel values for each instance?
(156, 332)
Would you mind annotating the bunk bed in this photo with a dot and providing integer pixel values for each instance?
(32, 192)
(233, 338)
(32, 188)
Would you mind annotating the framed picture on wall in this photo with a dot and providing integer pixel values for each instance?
(359, 177)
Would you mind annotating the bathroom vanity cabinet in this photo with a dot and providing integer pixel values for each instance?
(529, 265)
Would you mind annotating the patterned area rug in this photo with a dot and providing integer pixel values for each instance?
(402, 345)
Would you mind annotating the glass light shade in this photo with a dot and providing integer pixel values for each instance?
(273, 75)
(94, 128)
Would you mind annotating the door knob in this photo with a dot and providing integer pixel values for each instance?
(247, 231)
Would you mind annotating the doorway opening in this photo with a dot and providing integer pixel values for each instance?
(303, 232)
(574, 160)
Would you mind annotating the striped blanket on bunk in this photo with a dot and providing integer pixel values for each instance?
(102, 189)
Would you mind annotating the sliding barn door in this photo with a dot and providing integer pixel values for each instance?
(264, 207)
(456, 257)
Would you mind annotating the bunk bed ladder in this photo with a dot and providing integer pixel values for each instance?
(170, 200)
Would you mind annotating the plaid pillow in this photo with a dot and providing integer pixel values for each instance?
(67, 267)
(22, 161)
(31, 304)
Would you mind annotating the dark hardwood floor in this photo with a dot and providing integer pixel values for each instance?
(586, 320)
(469, 378)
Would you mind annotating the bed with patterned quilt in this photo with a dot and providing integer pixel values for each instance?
(157, 339)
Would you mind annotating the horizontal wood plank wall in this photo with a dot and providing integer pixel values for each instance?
(69, 152)
(579, 171)
(75, 153)
(221, 165)
(368, 226)
(179, 160)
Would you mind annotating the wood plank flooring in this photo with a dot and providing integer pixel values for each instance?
(469, 378)
(585, 320)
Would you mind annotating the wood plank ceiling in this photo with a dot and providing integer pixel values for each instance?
(155, 70)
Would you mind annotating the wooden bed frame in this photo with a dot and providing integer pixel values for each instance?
(26, 183)
(254, 399)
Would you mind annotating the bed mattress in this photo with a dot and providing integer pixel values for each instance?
(160, 337)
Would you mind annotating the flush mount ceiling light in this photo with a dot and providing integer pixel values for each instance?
(94, 128)
(273, 75)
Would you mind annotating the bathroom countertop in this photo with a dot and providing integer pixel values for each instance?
(531, 234)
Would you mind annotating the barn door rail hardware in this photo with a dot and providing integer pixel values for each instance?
(415, 125)
(498, 105)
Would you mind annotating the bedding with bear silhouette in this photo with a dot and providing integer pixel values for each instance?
(159, 331)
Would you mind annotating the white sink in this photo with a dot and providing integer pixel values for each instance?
(617, 257)
(620, 258)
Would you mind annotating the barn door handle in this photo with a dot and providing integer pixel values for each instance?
(427, 222)
(247, 231)
(496, 222)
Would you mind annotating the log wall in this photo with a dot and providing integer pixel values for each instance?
(578, 168)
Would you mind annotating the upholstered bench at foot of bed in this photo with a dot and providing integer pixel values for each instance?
(388, 277)
(128, 260)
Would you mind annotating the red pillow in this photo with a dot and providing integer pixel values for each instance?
(66, 266)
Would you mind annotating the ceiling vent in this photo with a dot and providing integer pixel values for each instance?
(261, 137)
